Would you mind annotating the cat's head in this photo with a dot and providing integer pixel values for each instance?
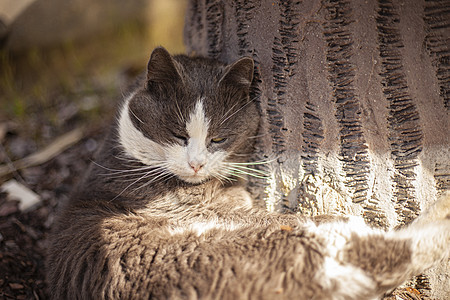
(192, 117)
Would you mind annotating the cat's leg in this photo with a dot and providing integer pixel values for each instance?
(363, 262)
(340, 276)
(440, 210)
(429, 235)
(236, 196)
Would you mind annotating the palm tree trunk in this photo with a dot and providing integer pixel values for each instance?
(355, 99)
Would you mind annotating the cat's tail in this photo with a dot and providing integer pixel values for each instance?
(429, 236)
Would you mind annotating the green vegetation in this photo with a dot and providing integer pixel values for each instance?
(47, 91)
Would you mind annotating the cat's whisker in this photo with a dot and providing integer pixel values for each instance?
(118, 146)
(249, 174)
(232, 173)
(132, 112)
(242, 154)
(222, 181)
(247, 169)
(258, 136)
(134, 175)
(166, 175)
(126, 158)
(127, 187)
(257, 173)
(179, 113)
(248, 166)
(136, 181)
(155, 165)
(219, 176)
(110, 169)
(101, 166)
(132, 172)
(243, 106)
(115, 172)
(225, 115)
(261, 162)
(156, 173)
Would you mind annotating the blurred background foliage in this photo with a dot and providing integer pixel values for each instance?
(65, 63)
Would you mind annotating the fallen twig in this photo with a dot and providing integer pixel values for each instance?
(59, 145)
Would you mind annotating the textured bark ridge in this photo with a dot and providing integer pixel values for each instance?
(355, 103)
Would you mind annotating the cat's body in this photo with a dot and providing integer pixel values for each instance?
(157, 216)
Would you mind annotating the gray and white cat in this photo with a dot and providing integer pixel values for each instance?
(162, 214)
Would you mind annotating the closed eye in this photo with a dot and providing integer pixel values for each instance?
(181, 138)
(218, 140)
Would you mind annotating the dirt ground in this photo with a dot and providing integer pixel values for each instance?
(23, 234)
(44, 95)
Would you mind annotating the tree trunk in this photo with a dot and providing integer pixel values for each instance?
(355, 99)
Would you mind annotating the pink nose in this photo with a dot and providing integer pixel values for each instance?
(196, 166)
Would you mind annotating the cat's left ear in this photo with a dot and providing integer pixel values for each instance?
(162, 68)
(239, 73)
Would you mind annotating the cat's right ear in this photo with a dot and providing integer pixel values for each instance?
(161, 68)
(239, 73)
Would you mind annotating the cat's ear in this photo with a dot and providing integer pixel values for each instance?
(161, 68)
(239, 73)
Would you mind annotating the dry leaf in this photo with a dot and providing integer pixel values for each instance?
(16, 286)
(286, 228)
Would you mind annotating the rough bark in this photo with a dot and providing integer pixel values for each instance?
(355, 98)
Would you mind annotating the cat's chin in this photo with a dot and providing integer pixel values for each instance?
(194, 179)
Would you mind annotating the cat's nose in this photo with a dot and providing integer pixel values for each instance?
(195, 165)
